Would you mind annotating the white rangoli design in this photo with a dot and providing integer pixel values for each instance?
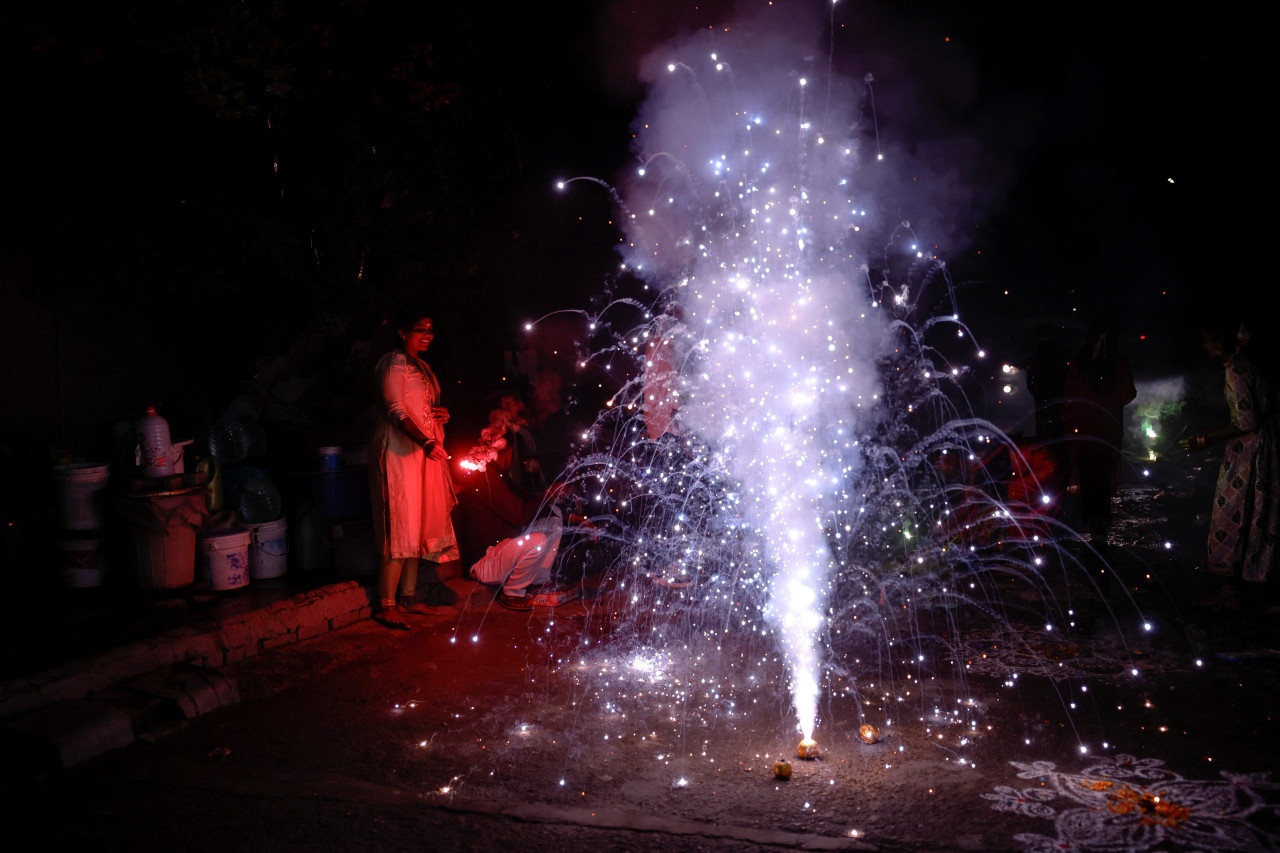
(1129, 804)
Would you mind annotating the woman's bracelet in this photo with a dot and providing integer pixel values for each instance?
(429, 445)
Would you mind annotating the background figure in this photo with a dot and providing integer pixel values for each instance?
(409, 478)
(1047, 381)
(1245, 516)
(661, 383)
(1099, 385)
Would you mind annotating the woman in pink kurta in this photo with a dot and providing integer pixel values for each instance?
(409, 475)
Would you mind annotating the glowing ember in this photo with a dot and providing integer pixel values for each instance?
(808, 748)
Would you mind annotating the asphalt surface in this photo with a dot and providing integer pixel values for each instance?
(484, 729)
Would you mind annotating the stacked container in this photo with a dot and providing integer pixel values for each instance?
(163, 508)
(81, 491)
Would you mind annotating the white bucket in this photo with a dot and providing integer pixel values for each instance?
(80, 565)
(177, 453)
(224, 558)
(80, 496)
(268, 549)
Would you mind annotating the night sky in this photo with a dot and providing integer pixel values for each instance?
(221, 174)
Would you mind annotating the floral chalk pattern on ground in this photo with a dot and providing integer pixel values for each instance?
(1129, 804)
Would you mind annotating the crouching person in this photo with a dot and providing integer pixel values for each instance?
(522, 561)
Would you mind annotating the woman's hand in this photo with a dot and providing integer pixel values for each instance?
(1194, 443)
(441, 414)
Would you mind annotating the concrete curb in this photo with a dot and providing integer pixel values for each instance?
(99, 703)
(216, 644)
(110, 699)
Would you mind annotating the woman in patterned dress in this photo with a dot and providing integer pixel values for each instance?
(1245, 519)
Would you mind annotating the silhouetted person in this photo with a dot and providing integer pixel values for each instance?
(1099, 385)
(1047, 381)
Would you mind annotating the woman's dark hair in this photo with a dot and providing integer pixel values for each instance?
(409, 314)
(1253, 338)
(387, 336)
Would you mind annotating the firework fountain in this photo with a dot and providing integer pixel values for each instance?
(799, 527)
(773, 380)
(803, 525)
(787, 463)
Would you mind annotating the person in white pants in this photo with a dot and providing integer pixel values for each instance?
(522, 561)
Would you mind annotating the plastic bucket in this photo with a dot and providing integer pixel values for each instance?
(165, 559)
(178, 454)
(224, 558)
(80, 498)
(268, 549)
(79, 563)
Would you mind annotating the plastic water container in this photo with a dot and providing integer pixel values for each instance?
(224, 558)
(259, 501)
(213, 482)
(157, 447)
(229, 441)
(331, 459)
(80, 495)
(268, 549)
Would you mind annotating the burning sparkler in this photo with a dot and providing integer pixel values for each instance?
(493, 438)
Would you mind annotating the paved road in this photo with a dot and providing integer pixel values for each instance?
(524, 739)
